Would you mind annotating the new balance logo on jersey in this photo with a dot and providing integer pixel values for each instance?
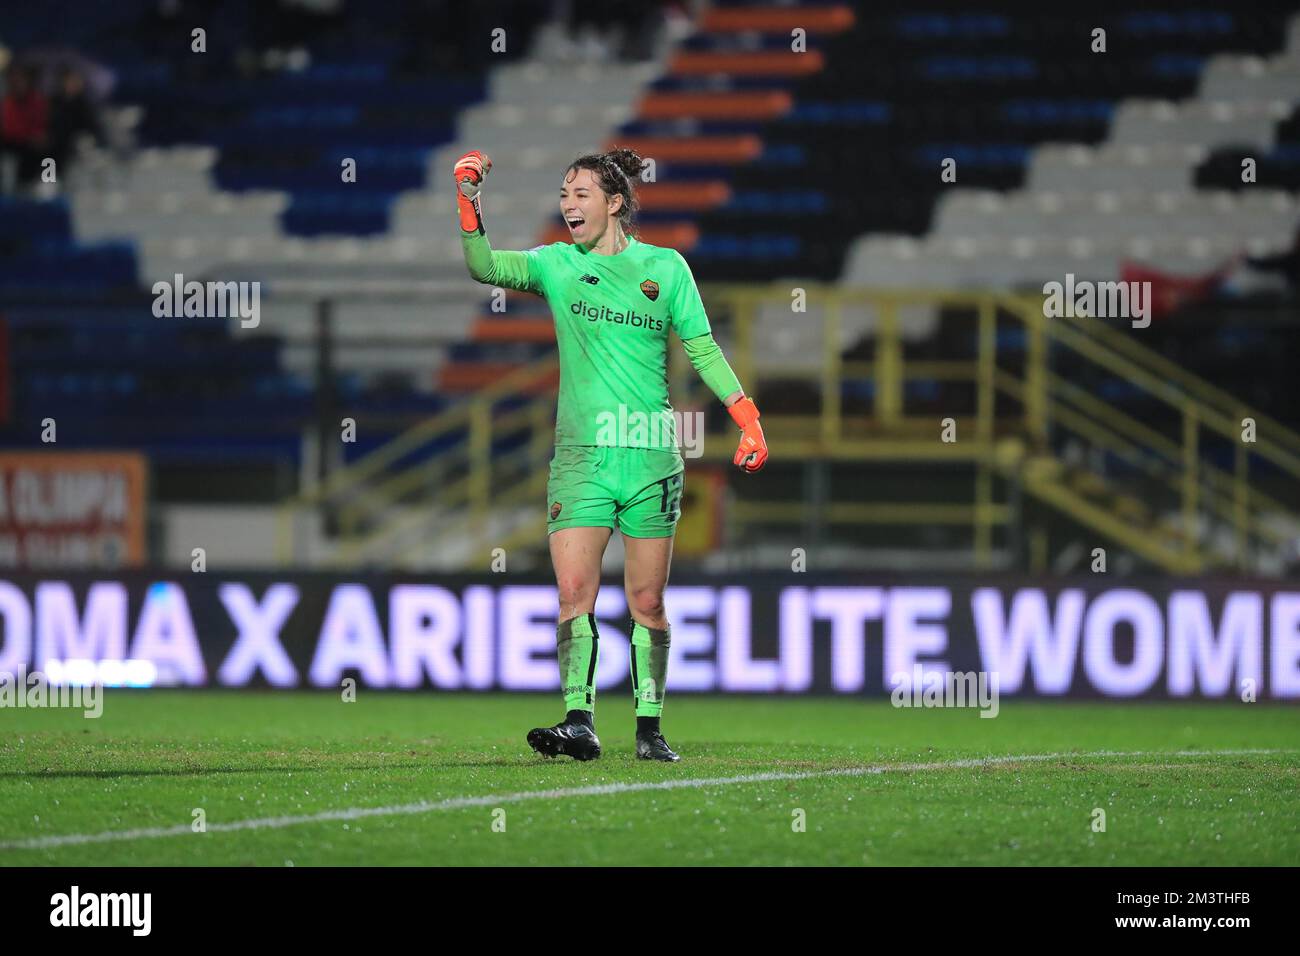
(631, 317)
(590, 280)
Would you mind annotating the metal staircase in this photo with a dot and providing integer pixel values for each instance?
(1147, 473)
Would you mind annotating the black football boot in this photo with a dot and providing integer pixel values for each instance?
(574, 736)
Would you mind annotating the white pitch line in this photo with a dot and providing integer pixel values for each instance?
(493, 800)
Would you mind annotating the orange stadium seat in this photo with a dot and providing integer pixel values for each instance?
(770, 63)
(695, 149)
(778, 20)
(748, 105)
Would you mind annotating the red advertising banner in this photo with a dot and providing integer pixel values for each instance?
(72, 509)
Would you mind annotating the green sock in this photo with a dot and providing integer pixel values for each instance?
(577, 644)
(649, 659)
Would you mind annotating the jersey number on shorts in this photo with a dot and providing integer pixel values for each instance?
(672, 493)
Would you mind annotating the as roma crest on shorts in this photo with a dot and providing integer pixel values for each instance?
(651, 289)
(555, 510)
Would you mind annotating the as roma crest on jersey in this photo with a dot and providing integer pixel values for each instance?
(651, 289)
(555, 510)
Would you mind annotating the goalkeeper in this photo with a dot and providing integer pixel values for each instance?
(614, 299)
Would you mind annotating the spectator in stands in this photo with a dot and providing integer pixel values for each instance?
(72, 116)
(24, 125)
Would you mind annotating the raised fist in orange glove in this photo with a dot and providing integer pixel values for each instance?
(470, 171)
(752, 453)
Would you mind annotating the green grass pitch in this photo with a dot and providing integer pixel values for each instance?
(416, 779)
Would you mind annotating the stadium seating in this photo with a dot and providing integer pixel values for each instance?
(237, 180)
(818, 166)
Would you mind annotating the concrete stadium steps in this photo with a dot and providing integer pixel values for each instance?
(976, 261)
(175, 215)
(413, 345)
(1085, 208)
(236, 235)
(794, 342)
(512, 219)
(538, 116)
(1157, 145)
(166, 201)
(1113, 167)
(271, 257)
(1233, 77)
(524, 99)
(1264, 216)
(179, 169)
(1201, 122)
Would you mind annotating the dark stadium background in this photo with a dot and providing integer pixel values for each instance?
(873, 199)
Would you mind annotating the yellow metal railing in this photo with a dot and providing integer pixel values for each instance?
(1046, 400)
(1020, 399)
(1203, 408)
(374, 483)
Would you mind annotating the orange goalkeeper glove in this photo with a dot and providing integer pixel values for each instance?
(470, 171)
(752, 453)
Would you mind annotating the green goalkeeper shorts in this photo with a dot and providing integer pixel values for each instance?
(636, 490)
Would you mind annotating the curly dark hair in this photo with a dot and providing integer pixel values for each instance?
(615, 172)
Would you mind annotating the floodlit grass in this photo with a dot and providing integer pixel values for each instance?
(932, 787)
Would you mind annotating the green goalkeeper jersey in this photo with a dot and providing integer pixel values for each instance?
(612, 317)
